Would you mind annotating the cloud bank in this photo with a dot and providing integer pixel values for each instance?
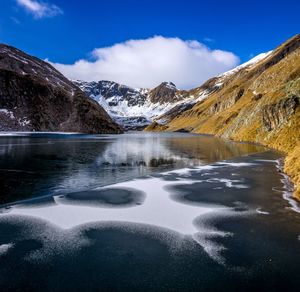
(148, 62)
(40, 9)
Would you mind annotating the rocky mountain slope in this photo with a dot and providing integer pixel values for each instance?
(257, 102)
(133, 108)
(34, 96)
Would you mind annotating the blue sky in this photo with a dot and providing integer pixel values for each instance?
(73, 29)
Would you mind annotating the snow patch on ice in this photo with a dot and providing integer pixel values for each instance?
(4, 248)
(170, 214)
(10, 114)
(236, 164)
(229, 183)
(260, 211)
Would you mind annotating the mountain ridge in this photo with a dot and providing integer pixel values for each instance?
(136, 108)
(133, 108)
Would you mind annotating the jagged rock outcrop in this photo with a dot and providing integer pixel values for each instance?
(223, 104)
(34, 96)
(274, 115)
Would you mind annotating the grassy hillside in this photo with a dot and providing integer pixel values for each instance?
(258, 103)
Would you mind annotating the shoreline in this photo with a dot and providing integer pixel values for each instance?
(288, 187)
(284, 165)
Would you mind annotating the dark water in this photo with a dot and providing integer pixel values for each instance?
(171, 212)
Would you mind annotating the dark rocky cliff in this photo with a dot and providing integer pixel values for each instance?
(34, 96)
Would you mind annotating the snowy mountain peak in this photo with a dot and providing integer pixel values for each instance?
(132, 107)
(166, 92)
(170, 85)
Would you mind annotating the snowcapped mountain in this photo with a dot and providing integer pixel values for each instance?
(133, 108)
(136, 108)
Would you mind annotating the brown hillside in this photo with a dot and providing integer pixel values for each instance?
(258, 103)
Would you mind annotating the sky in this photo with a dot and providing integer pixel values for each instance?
(142, 43)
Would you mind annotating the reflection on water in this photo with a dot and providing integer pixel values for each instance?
(41, 165)
(145, 212)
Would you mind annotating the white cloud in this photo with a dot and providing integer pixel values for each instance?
(148, 62)
(40, 9)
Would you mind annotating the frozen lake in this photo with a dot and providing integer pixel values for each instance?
(144, 211)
